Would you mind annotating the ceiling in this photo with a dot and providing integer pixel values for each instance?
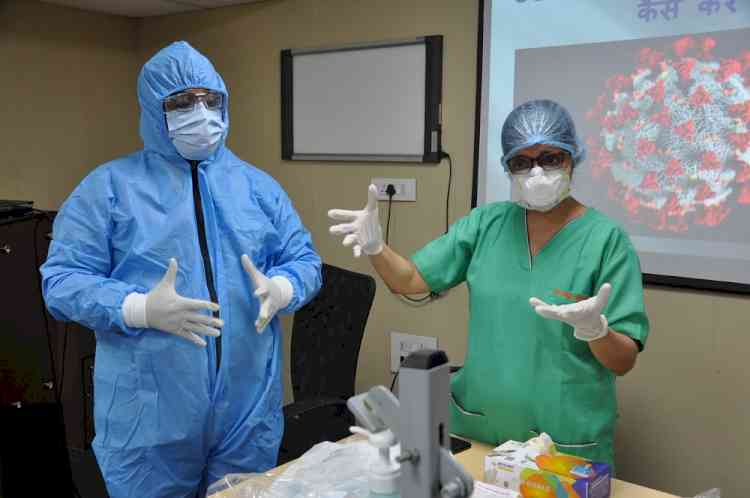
(146, 8)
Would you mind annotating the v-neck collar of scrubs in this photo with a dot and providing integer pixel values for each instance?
(521, 223)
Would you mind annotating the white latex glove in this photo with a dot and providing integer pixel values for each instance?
(585, 317)
(541, 445)
(165, 310)
(363, 229)
(274, 293)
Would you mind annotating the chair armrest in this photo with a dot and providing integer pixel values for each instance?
(299, 409)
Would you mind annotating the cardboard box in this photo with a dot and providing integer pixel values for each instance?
(520, 467)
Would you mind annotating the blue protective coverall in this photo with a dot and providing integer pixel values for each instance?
(172, 417)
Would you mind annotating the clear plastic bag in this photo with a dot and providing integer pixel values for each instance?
(711, 493)
(327, 470)
(243, 486)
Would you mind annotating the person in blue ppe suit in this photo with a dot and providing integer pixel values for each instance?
(156, 252)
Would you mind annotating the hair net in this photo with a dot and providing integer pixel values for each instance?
(540, 122)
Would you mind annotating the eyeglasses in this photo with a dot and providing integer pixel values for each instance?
(186, 101)
(548, 161)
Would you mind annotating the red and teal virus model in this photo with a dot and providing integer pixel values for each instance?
(675, 136)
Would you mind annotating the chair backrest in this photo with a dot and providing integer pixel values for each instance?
(327, 334)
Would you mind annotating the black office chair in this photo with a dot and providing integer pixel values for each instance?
(326, 337)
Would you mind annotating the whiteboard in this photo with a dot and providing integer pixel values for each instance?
(370, 102)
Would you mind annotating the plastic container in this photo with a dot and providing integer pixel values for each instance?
(384, 473)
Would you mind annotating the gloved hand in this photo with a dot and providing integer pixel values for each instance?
(585, 317)
(274, 293)
(165, 310)
(363, 229)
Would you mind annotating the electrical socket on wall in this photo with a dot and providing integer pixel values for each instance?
(402, 345)
(406, 188)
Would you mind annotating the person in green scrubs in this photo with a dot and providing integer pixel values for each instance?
(556, 295)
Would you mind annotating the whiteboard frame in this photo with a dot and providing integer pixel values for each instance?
(433, 102)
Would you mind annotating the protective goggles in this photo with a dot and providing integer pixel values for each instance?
(186, 101)
(549, 161)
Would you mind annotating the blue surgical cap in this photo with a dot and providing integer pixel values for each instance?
(540, 122)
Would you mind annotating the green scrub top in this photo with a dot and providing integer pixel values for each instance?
(525, 374)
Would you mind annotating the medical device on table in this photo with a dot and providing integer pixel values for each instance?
(419, 422)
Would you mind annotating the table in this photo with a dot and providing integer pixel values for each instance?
(473, 461)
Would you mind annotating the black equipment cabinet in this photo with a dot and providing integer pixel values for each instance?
(39, 356)
(26, 373)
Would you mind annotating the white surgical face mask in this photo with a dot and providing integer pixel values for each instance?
(541, 190)
(196, 134)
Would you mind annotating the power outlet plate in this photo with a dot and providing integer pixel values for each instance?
(402, 345)
(406, 188)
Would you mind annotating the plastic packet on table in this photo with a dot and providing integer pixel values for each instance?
(243, 486)
(327, 470)
(711, 493)
(484, 490)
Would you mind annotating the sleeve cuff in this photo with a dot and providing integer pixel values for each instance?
(134, 310)
(639, 339)
(292, 289)
(286, 288)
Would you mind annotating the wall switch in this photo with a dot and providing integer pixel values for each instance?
(406, 188)
(402, 345)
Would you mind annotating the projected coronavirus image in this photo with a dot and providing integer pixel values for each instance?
(673, 138)
(659, 92)
(666, 123)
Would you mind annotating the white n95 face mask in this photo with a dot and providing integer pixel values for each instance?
(541, 190)
(196, 134)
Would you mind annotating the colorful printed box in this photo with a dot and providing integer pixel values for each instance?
(519, 467)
